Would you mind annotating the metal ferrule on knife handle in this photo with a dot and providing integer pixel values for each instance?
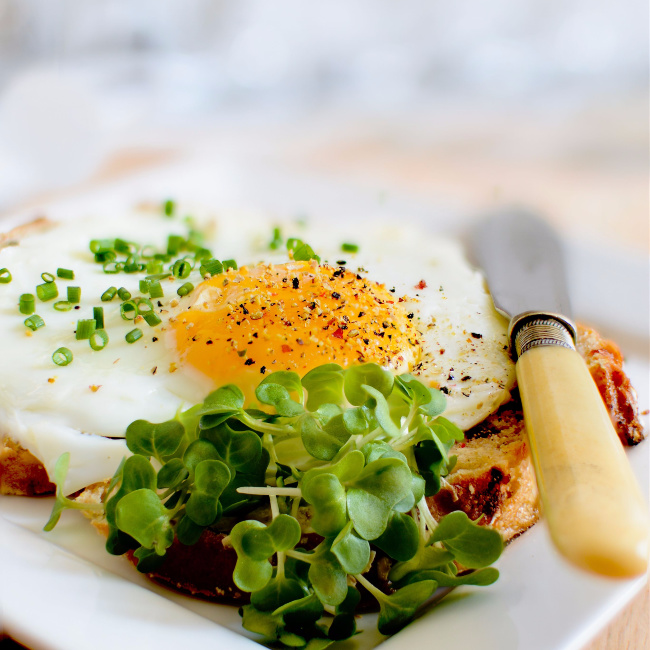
(590, 498)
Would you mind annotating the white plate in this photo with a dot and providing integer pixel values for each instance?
(62, 590)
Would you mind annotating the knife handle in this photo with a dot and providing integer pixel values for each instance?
(596, 514)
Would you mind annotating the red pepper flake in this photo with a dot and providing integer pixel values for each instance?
(421, 285)
(338, 334)
(286, 348)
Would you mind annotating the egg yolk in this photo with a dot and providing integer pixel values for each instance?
(246, 323)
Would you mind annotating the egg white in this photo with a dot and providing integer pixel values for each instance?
(85, 407)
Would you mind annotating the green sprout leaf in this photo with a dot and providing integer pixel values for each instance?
(398, 609)
(171, 473)
(198, 451)
(279, 591)
(210, 479)
(379, 406)
(324, 385)
(238, 449)
(141, 515)
(473, 546)
(401, 538)
(162, 440)
(327, 495)
(351, 551)
(327, 576)
(278, 396)
(249, 574)
(321, 443)
(288, 379)
(480, 577)
(369, 374)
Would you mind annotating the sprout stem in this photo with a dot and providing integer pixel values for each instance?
(267, 491)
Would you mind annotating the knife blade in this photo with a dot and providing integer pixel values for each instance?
(590, 499)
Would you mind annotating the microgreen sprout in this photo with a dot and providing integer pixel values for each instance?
(368, 449)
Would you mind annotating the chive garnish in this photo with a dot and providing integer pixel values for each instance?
(101, 245)
(155, 289)
(154, 266)
(128, 310)
(47, 291)
(174, 244)
(74, 295)
(65, 274)
(109, 294)
(133, 335)
(182, 268)
(26, 304)
(113, 267)
(212, 266)
(349, 248)
(98, 315)
(184, 289)
(62, 357)
(229, 264)
(131, 265)
(125, 247)
(143, 306)
(105, 256)
(85, 328)
(47, 277)
(5, 276)
(34, 322)
(157, 276)
(152, 318)
(169, 207)
(124, 294)
(63, 305)
(98, 340)
(276, 242)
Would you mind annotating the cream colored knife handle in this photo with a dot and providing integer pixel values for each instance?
(596, 514)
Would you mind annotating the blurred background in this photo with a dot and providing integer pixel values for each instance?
(543, 102)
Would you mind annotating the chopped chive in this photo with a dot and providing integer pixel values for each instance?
(131, 265)
(202, 254)
(5, 276)
(113, 267)
(276, 242)
(144, 286)
(105, 256)
(63, 305)
(65, 274)
(98, 315)
(47, 291)
(182, 268)
(163, 257)
(154, 266)
(124, 294)
(155, 290)
(152, 318)
(128, 310)
(101, 245)
(125, 247)
(47, 277)
(143, 306)
(62, 357)
(98, 340)
(34, 322)
(169, 207)
(158, 276)
(85, 328)
(229, 264)
(174, 244)
(26, 304)
(74, 295)
(109, 294)
(349, 248)
(293, 243)
(212, 266)
(184, 289)
(133, 335)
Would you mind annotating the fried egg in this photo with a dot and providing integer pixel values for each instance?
(405, 299)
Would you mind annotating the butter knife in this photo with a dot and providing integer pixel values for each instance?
(590, 498)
